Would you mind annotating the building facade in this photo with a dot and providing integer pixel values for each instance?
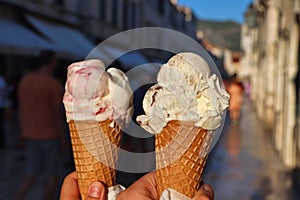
(270, 41)
(74, 27)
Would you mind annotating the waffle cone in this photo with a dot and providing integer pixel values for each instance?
(95, 152)
(178, 162)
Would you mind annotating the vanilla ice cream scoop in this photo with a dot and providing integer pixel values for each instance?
(91, 93)
(185, 91)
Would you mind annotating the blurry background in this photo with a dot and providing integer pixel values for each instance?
(257, 156)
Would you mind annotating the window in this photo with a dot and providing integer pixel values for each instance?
(172, 16)
(161, 7)
(133, 15)
(102, 8)
(183, 21)
(125, 14)
(114, 12)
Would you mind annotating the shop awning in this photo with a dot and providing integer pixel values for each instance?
(139, 70)
(128, 60)
(64, 38)
(17, 39)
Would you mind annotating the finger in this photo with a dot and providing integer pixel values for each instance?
(69, 189)
(144, 188)
(204, 193)
(147, 184)
(97, 191)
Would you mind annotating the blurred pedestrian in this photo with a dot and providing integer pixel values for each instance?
(247, 87)
(42, 125)
(3, 104)
(12, 125)
(235, 89)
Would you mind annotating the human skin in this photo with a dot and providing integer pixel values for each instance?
(142, 189)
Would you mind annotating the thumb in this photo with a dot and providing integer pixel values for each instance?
(204, 193)
(97, 191)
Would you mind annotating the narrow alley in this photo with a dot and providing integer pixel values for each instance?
(244, 164)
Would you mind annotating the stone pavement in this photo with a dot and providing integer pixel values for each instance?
(12, 173)
(243, 166)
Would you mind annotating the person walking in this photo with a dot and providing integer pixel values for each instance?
(236, 90)
(42, 125)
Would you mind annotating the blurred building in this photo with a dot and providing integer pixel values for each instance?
(270, 42)
(222, 57)
(74, 27)
(232, 63)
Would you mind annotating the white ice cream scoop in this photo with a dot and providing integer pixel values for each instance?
(185, 91)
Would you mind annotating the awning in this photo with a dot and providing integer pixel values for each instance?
(128, 60)
(64, 38)
(139, 70)
(17, 39)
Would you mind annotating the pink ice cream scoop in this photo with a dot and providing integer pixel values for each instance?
(95, 94)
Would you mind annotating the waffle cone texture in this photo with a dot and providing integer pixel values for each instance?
(178, 161)
(95, 150)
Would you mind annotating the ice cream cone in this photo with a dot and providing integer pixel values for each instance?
(183, 110)
(181, 153)
(95, 151)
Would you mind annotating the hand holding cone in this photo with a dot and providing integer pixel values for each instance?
(178, 166)
(183, 109)
(95, 113)
(95, 149)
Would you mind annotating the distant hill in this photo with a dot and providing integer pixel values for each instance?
(224, 34)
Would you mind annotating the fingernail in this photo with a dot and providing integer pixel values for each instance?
(206, 188)
(94, 191)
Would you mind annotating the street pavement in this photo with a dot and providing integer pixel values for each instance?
(12, 164)
(242, 166)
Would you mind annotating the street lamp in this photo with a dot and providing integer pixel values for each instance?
(251, 16)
